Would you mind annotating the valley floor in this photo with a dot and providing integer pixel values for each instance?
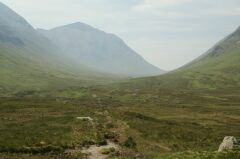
(158, 124)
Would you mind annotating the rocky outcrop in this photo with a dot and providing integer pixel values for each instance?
(229, 143)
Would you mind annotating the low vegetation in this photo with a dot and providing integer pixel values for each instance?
(201, 155)
(142, 122)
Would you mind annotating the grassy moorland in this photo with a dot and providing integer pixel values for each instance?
(43, 125)
(162, 123)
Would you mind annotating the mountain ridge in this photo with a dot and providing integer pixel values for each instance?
(100, 50)
(29, 60)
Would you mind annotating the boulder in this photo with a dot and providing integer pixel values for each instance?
(229, 143)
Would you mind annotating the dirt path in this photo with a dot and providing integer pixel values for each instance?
(94, 152)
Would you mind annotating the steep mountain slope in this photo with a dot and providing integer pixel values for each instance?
(30, 60)
(224, 46)
(219, 68)
(99, 50)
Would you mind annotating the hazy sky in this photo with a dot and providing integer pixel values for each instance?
(167, 33)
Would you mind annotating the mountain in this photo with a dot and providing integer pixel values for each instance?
(99, 50)
(29, 60)
(225, 46)
(217, 69)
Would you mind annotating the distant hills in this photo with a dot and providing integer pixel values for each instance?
(77, 53)
(218, 68)
(99, 50)
(82, 54)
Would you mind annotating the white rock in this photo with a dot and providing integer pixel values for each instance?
(85, 118)
(228, 143)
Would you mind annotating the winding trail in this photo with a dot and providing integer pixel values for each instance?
(94, 152)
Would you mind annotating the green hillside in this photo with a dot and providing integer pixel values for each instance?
(20, 71)
(23, 69)
(216, 69)
(31, 62)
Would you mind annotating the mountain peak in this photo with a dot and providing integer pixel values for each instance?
(78, 26)
(99, 50)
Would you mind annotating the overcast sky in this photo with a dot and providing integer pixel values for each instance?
(167, 33)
